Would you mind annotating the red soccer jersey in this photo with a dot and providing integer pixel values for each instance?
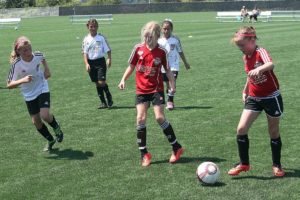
(148, 65)
(265, 85)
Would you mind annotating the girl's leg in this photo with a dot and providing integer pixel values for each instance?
(43, 130)
(100, 90)
(246, 120)
(275, 140)
(105, 88)
(141, 127)
(168, 131)
(50, 119)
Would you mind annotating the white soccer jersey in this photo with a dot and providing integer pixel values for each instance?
(21, 68)
(173, 46)
(95, 47)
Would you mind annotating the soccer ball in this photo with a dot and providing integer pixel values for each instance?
(208, 173)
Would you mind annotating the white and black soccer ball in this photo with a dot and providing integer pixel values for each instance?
(208, 173)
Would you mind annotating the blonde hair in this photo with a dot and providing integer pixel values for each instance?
(244, 33)
(150, 33)
(19, 43)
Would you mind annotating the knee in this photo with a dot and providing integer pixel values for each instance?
(241, 130)
(100, 83)
(160, 119)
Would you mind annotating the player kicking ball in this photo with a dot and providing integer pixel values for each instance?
(147, 58)
(261, 93)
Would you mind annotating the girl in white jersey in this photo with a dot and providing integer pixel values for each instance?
(94, 48)
(26, 72)
(172, 44)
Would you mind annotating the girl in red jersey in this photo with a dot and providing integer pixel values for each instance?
(148, 58)
(261, 93)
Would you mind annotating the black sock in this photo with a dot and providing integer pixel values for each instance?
(170, 97)
(276, 151)
(101, 94)
(169, 133)
(45, 133)
(243, 146)
(107, 92)
(54, 123)
(142, 138)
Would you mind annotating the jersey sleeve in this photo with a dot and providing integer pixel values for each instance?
(133, 59)
(106, 47)
(178, 45)
(13, 73)
(85, 46)
(264, 55)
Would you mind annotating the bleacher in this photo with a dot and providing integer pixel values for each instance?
(10, 23)
(82, 19)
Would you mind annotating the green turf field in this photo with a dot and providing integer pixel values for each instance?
(99, 158)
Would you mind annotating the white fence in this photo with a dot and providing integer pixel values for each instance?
(29, 12)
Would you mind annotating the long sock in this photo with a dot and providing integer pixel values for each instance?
(169, 133)
(170, 96)
(101, 94)
(45, 133)
(107, 92)
(243, 147)
(54, 123)
(276, 151)
(142, 138)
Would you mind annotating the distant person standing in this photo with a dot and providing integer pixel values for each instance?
(244, 13)
(173, 45)
(94, 48)
(26, 72)
(255, 13)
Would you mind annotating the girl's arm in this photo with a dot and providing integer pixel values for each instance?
(85, 60)
(170, 76)
(261, 69)
(47, 73)
(14, 84)
(246, 90)
(126, 75)
(186, 64)
(108, 61)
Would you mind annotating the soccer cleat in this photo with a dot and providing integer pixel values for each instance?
(146, 160)
(170, 105)
(102, 106)
(49, 145)
(176, 155)
(238, 169)
(278, 171)
(59, 134)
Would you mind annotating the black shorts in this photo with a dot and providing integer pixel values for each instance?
(272, 106)
(157, 98)
(42, 101)
(165, 78)
(97, 69)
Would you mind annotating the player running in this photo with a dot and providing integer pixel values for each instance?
(147, 58)
(94, 48)
(261, 93)
(172, 44)
(26, 72)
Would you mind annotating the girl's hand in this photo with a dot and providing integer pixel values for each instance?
(87, 67)
(47, 73)
(27, 79)
(254, 73)
(121, 85)
(108, 62)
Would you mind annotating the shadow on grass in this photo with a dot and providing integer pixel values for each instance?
(70, 154)
(184, 159)
(217, 184)
(289, 173)
(121, 107)
(192, 107)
